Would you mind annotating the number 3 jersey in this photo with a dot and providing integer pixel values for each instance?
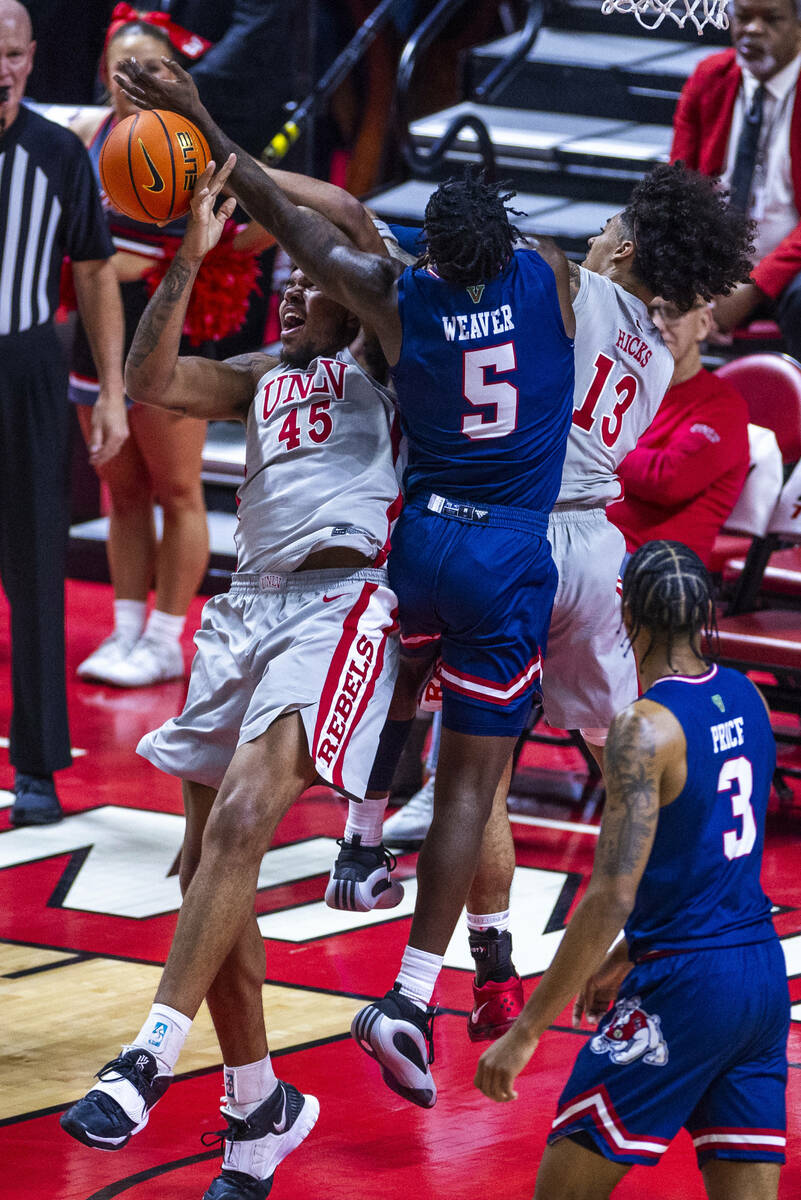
(319, 466)
(701, 886)
(623, 369)
(485, 385)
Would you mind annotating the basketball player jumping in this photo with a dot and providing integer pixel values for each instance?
(696, 1035)
(678, 235)
(479, 343)
(292, 678)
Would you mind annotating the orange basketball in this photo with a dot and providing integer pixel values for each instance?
(150, 163)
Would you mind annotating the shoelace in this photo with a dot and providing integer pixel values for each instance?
(235, 1125)
(127, 1069)
(388, 857)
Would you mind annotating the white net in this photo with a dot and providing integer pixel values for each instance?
(651, 13)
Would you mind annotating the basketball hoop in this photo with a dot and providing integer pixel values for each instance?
(651, 13)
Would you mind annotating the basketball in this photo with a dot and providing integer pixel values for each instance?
(150, 163)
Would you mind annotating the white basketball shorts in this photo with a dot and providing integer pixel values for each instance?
(321, 643)
(589, 673)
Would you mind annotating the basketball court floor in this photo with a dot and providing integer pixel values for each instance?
(87, 909)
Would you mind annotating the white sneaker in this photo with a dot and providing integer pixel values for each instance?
(254, 1146)
(149, 662)
(408, 827)
(361, 878)
(107, 657)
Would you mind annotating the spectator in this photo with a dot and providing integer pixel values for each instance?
(49, 209)
(739, 117)
(683, 478)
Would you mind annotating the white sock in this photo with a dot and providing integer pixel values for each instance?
(481, 922)
(366, 819)
(129, 618)
(164, 627)
(418, 975)
(163, 1034)
(249, 1086)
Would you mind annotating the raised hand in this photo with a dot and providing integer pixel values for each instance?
(147, 90)
(205, 226)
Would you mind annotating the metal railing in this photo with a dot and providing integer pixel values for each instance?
(426, 163)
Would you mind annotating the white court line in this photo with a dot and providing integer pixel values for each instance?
(4, 745)
(550, 823)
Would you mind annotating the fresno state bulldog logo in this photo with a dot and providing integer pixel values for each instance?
(630, 1034)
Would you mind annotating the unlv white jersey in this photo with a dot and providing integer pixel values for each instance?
(623, 369)
(319, 466)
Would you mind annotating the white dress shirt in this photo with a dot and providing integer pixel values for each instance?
(772, 203)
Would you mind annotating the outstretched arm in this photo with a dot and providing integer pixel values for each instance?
(643, 742)
(154, 374)
(362, 282)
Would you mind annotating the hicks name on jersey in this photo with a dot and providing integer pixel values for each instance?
(462, 327)
(631, 344)
(727, 735)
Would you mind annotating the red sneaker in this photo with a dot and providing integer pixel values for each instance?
(495, 1008)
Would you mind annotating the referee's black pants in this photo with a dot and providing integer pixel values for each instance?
(34, 518)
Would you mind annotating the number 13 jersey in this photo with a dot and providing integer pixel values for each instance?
(701, 886)
(623, 369)
(319, 466)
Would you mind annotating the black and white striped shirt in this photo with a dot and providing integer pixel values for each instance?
(49, 210)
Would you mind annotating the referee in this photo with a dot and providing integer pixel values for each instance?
(49, 211)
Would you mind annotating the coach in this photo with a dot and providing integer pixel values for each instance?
(49, 210)
(739, 117)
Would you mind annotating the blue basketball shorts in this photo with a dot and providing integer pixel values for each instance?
(696, 1040)
(480, 581)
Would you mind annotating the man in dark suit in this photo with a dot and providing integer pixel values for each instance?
(739, 117)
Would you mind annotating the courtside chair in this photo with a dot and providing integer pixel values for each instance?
(771, 387)
(768, 639)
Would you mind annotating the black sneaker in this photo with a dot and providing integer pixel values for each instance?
(108, 1116)
(253, 1147)
(35, 800)
(400, 1036)
(361, 878)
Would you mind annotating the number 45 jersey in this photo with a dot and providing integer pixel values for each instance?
(319, 466)
(623, 369)
(701, 886)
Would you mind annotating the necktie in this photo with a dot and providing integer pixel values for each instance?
(746, 156)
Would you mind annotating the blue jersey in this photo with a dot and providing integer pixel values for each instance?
(701, 885)
(485, 385)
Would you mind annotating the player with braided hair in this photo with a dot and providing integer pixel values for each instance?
(695, 993)
(471, 202)
(669, 590)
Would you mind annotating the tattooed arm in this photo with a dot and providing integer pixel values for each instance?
(154, 374)
(364, 283)
(643, 764)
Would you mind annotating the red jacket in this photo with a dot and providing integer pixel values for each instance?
(700, 138)
(683, 477)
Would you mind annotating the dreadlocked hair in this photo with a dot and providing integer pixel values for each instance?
(688, 240)
(467, 230)
(668, 592)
